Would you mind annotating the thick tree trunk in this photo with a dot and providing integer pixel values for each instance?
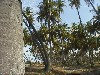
(11, 38)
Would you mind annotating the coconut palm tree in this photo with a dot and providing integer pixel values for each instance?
(49, 14)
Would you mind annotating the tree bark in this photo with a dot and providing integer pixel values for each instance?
(11, 38)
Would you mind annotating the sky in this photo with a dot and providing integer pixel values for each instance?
(69, 15)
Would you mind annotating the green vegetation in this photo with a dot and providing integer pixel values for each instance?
(58, 44)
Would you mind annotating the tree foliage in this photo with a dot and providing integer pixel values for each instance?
(78, 44)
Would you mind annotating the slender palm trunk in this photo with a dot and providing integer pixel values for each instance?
(49, 27)
(93, 8)
(79, 16)
(11, 38)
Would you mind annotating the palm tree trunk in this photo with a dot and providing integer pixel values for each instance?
(91, 58)
(11, 38)
(93, 8)
(49, 27)
(79, 16)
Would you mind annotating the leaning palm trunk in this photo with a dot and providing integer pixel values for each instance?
(11, 38)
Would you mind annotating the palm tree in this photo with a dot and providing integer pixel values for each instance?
(50, 14)
(11, 38)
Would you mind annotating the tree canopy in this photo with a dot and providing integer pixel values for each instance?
(55, 42)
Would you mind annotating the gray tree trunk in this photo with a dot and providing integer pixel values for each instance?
(11, 38)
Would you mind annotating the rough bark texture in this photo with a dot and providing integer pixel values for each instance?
(11, 38)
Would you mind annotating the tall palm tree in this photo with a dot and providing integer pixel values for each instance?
(50, 14)
(11, 38)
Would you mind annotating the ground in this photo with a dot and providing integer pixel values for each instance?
(37, 69)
